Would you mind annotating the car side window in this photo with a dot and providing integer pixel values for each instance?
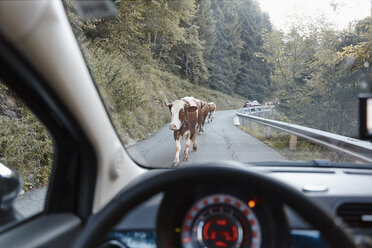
(27, 148)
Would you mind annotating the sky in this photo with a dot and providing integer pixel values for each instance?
(340, 15)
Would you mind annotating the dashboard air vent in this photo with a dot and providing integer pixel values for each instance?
(356, 215)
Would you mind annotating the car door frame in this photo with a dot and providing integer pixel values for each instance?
(71, 187)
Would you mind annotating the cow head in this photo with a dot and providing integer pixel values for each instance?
(179, 110)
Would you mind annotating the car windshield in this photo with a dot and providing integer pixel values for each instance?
(194, 81)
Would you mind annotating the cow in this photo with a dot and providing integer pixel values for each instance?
(200, 104)
(205, 113)
(184, 123)
(212, 109)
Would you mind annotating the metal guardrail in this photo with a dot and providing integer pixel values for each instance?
(257, 109)
(354, 147)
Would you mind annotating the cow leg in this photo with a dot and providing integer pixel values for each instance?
(201, 129)
(186, 154)
(177, 137)
(193, 138)
(176, 160)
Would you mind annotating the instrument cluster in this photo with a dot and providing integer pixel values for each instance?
(211, 217)
(220, 220)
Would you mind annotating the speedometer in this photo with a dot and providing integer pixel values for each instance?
(220, 220)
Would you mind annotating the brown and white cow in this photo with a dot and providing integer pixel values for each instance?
(205, 113)
(184, 123)
(200, 104)
(212, 109)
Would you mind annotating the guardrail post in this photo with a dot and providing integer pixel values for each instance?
(268, 132)
(292, 142)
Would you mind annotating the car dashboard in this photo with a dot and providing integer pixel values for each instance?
(209, 215)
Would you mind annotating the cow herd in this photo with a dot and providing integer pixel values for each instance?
(188, 118)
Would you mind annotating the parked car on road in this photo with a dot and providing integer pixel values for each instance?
(248, 103)
(256, 103)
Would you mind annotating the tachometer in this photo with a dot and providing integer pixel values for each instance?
(220, 220)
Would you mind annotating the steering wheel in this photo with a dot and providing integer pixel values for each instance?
(156, 181)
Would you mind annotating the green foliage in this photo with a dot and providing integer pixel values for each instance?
(209, 43)
(238, 35)
(312, 81)
(149, 54)
(361, 51)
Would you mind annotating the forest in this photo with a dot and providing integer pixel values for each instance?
(221, 51)
(317, 73)
(313, 72)
(159, 50)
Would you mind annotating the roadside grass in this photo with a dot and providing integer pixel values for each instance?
(25, 143)
(305, 150)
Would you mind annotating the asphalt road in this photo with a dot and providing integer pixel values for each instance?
(30, 203)
(222, 140)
